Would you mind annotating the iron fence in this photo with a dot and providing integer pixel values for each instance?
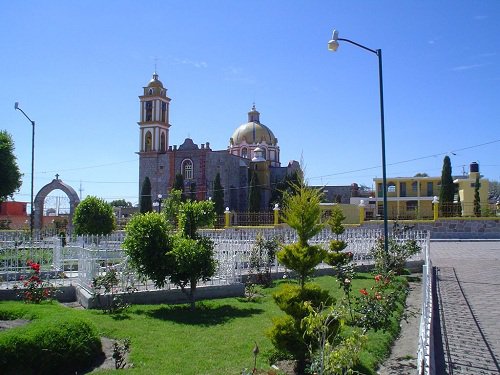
(85, 258)
(425, 359)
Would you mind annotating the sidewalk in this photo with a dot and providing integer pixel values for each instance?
(467, 316)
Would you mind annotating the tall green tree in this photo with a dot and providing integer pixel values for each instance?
(254, 196)
(301, 211)
(447, 191)
(93, 216)
(146, 202)
(10, 180)
(179, 185)
(218, 195)
(477, 198)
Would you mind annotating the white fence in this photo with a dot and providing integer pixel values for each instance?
(85, 258)
(425, 361)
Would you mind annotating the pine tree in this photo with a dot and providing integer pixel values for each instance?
(179, 185)
(146, 203)
(477, 199)
(218, 195)
(254, 195)
(447, 191)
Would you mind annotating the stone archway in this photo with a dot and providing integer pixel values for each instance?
(46, 190)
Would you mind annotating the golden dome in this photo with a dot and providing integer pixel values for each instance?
(155, 82)
(253, 132)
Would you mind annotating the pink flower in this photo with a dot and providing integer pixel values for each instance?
(347, 281)
(378, 278)
(378, 296)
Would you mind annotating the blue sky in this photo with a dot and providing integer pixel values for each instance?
(77, 69)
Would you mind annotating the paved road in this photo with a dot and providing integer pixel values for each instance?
(467, 333)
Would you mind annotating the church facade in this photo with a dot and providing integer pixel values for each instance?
(252, 155)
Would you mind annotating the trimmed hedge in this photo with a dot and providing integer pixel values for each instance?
(52, 343)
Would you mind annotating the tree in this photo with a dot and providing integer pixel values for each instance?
(477, 199)
(192, 191)
(447, 191)
(421, 175)
(179, 185)
(10, 182)
(218, 195)
(147, 242)
(171, 206)
(494, 191)
(93, 216)
(146, 202)
(120, 203)
(254, 194)
(286, 185)
(301, 211)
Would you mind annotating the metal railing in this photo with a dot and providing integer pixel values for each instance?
(425, 358)
(83, 259)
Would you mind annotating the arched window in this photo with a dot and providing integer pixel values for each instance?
(162, 141)
(264, 153)
(149, 111)
(244, 152)
(150, 91)
(187, 169)
(148, 144)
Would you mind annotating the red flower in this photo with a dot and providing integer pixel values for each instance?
(378, 278)
(363, 292)
(35, 267)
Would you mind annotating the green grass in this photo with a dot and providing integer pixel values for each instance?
(217, 338)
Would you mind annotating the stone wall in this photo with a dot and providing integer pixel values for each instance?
(452, 228)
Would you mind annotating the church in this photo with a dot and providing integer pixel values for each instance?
(252, 155)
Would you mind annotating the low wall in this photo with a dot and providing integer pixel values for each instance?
(89, 301)
(480, 228)
(64, 294)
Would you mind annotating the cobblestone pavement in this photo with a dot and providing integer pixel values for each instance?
(467, 334)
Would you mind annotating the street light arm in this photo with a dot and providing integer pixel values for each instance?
(25, 115)
(376, 52)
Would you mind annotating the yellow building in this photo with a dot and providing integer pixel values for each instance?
(407, 197)
(411, 197)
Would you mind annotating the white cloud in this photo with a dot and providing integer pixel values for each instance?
(196, 64)
(468, 67)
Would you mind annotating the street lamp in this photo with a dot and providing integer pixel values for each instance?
(16, 106)
(157, 202)
(332, 46)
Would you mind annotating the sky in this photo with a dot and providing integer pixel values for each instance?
(77, 69)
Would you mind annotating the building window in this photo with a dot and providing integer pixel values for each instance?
(150, 91)
(402, 189)
(430, 190)
(411, 205)
(391, 188)
(244, 153)
(162, 142)
(163, 112)
(148, 144)
(414, 186)
(149, 111)
(187, 169)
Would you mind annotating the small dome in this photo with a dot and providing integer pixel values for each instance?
(253, 132)
(155, 82)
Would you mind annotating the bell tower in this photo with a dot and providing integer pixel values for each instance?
(153, 136)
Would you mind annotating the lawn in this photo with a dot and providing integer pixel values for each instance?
(217, 338)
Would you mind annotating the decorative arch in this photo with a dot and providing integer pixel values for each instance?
(46, 190)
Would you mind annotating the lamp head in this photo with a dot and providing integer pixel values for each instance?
(16, 105)
(333, 44)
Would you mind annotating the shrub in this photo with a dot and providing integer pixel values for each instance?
(93, 216)
(147, 243)
(295, 301)
(49, 345)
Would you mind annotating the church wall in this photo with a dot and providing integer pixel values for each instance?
(155, 166)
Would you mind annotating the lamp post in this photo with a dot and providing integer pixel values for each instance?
(157, 202)
(332, 46)
(32, 218)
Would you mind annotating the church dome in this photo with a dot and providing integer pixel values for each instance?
(155, 82)
(253, 132)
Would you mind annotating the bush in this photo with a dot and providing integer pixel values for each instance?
(94, 216)
(49, 345)
(292, 299)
